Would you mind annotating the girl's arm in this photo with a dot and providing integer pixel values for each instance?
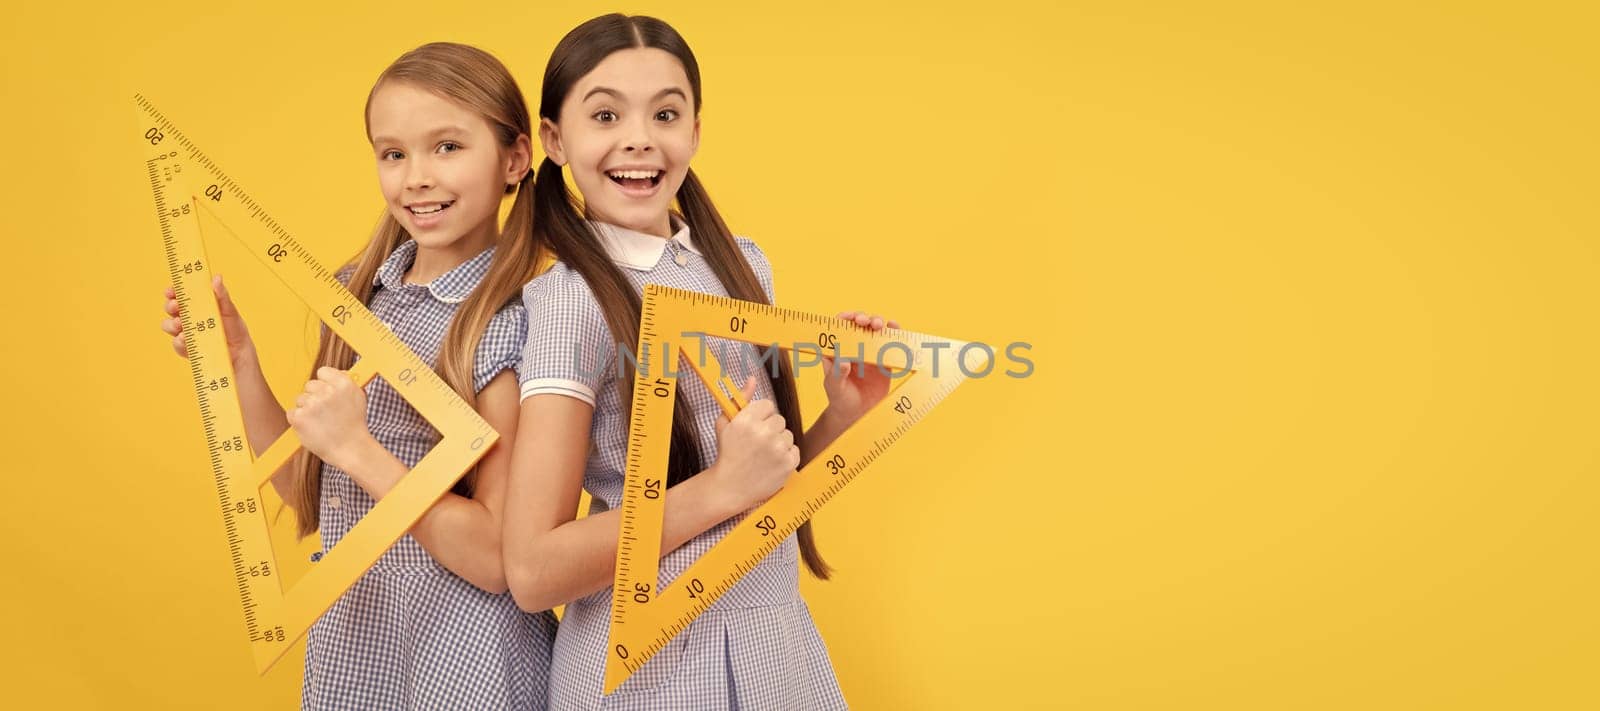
(462, 533)
(552, 557)
(264, 419)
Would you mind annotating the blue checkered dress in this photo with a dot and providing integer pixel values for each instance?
(411, 634)
(757, 647)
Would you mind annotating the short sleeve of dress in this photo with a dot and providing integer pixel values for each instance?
(568, 349)
(758, 263)
(500, 348)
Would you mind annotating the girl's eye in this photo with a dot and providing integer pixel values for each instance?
(666, 114)
(392, 155)
(449, 147)
(605, 116)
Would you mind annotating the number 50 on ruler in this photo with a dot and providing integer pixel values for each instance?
(644, 618)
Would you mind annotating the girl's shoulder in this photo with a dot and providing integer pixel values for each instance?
(344, 273)
(758, 262)
(557, 281)
(512, 319)
(560, 292)
(752, 253)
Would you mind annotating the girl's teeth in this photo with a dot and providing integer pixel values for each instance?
(634, 174)
(430, 209)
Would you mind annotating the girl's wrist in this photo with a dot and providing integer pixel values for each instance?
(718, 496)
(246, 361)
(349, 454)
(831, 418)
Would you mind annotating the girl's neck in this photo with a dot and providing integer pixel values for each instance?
(662, 228)
(433, 262)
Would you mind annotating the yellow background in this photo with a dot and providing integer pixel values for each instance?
(1311, 292)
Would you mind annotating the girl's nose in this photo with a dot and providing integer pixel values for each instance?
(418, 176)
(638, 140)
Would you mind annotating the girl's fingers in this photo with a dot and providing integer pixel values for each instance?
(866, 320)
(749, 387)
(225, 307)
(171, 326)
(172, 307)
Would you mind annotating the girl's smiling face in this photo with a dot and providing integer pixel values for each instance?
(441, 170)
(627, 130)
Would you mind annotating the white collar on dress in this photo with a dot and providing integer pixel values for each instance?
(638, 250)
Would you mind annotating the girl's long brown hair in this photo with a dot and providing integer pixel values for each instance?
(560, 227)
(477, 81)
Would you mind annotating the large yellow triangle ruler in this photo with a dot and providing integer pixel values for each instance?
(184, 182)
(643, 618)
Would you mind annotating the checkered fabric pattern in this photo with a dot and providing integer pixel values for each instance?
(757, 647)
(411, 634)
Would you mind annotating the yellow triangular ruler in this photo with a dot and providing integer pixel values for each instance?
(183, 182)
(643, 618)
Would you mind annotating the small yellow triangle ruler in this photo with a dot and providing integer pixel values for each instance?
(643, 618)
(184, 182)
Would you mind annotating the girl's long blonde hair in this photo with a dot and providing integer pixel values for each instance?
(477, 81)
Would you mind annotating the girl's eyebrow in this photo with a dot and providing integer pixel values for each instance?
(435, 133)
(671, 90)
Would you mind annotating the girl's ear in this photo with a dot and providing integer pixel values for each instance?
(550, 139)
(521, 156)
(694, 143)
